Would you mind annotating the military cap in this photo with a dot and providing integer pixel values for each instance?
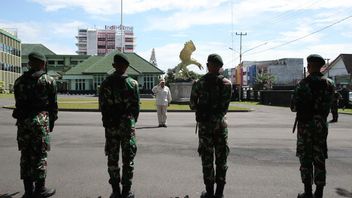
(315, 58)
(215, 58)
(36, 56)
(121, 58)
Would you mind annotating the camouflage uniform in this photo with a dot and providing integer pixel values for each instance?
(312, 101)
(36, 112)
(335, 106)
(210, 98)
(119, 105)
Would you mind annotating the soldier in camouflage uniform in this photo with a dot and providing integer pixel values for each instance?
(312, 101)
(119, 105)
(36, 112)
(210, 98)
(335, 106)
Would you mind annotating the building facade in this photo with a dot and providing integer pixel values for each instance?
(286, 71)
(87, 76)
(57, 64)
(103, 41)
(10, 60)
(340, 70)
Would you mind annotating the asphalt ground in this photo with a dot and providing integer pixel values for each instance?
(262, 160)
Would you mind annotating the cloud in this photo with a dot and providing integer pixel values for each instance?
(59, 37)
(110, 7)
(185, 19)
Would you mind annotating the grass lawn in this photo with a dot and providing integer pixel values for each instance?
(6, 96)
(347, 111)
(92, 103)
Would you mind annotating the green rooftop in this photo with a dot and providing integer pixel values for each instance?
(28, 48)
(103, 65)
(81, 67)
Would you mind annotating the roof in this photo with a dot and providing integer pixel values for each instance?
(347, 61)
(81, 67)
(103, 65)
(9, 35)
(28, 48)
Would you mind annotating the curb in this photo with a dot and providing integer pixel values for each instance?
(144, 110)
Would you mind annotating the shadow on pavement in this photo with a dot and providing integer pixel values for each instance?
(343, 192)
(9, 195)
(148, 127)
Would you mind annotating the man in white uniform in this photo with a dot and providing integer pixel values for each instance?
(163, 99)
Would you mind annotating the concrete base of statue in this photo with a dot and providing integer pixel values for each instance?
(181, 91)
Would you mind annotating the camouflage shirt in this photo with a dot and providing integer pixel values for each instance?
(118, 99)
(210, 97)
(35, 92)
(313, 97)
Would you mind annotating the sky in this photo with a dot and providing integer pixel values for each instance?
(274, 28)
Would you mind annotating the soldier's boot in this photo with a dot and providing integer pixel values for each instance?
(41, 191)
(319, 192)
(219, 193)
(28, 188)
(307, 191)
(209, 193)
(126, 192)
(116, 191)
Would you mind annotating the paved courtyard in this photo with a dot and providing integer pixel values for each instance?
(262, 160)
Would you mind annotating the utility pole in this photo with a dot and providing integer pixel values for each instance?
(241, 34)
(121, 27)
(240, 88)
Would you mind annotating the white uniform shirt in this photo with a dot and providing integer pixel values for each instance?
(163, 95)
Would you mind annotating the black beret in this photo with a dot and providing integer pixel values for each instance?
(36, 56)
(121, 58)
(215, 58)
(315, 58)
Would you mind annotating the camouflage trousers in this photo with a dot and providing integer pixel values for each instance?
(334, 111)
(34, 143)
(312, 151)
(124, 137)
(213, 139)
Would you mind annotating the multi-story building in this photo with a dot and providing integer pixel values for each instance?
(286, 71)
(10, 59)
(103, 41)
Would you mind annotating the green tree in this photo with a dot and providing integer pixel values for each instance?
(264, 81)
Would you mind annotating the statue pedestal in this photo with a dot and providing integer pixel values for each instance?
(181, 91)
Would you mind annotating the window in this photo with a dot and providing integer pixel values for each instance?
(74, 62)
(98, 79)
(51, 62)
(1, 47)
(80, 84)
(148, 82)
(60, 62)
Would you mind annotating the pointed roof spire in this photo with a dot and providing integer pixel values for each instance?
(153, 58)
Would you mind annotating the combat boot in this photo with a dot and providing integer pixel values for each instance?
(319, 192)
(41, 191)
(307, 191)
(28, 188)
(219, 193)
(126, 192)
(116, 191)
(209, 193)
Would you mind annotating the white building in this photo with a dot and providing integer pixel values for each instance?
(103, 41)
(340, 70)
